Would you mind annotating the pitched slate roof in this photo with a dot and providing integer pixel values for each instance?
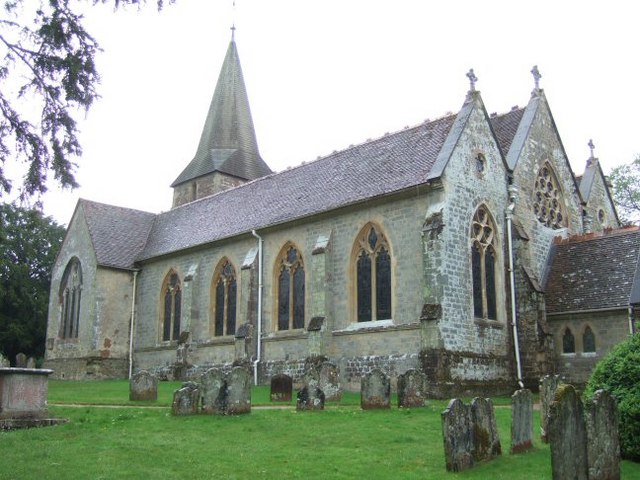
(228, 141)
(118, 234)
(360, 173)
(505, 127)
(594, 272)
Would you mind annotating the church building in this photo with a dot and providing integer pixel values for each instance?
(464, 247)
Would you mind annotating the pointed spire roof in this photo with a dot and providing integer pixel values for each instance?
(228, 141)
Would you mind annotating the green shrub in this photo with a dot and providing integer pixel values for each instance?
(619, 374)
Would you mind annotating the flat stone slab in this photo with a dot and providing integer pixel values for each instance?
(19, 423)
(23, 392)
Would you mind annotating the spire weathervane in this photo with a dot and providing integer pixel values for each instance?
(472, 80)
(536, 77)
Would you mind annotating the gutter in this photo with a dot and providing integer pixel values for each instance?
(259, 334)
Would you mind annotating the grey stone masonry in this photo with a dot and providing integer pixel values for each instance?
(486, 442)
(143, 386)
(213, 385)
(567, 435)
(281, 388)
(239, 391)
(456, 433)
(412, 389)
(603, 450)
(186, 400)
(548, 386)
(375, 390)
(521, 421)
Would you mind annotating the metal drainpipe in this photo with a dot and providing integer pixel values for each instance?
(132, 324)
(631, 329)
(513, 195)
(259, 337)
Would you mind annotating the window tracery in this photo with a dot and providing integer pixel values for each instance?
(70, 297)
(172, 307)
(291, 289)
(373, 276)
(224, 295)
(483, 265)
(548, 200)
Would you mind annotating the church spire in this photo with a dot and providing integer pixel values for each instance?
(228, 142)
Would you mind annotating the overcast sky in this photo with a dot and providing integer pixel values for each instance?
(322, 75)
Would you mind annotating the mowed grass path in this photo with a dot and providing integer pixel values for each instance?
(341, 442)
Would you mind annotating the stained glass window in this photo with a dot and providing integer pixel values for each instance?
(483, 265)
(291, 289)
(373, 276)
(225, 296)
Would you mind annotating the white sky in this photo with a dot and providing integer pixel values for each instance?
(322, 75)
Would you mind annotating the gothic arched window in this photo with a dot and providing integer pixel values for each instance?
(568, 341)
(70, 296)
(483, 265)
(224, 293)
(588, 341)
(547, 199)
(290, 288)
(373, 275)
(172, 306)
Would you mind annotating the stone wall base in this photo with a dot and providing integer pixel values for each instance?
(87, 368)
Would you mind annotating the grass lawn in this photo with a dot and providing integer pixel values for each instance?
(339, 442)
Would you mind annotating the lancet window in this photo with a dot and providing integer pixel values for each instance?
(290, 281)
(588, 341)
(224, 294)
(568, 341)
(483, 265)
(373, 275)
(172, 306)
(70, 297)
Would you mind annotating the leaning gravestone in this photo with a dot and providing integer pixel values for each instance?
(412, 389)
(213, 391)
(456, 432)
(143, 386)
(486, 442)
(238, 391)
(521, 421)
(310, 397)
(21, 360)
(186, 399)
(603, 450)
(548, 386)
(281, 388)
(375, 390)
(329, 381)
(567, 435)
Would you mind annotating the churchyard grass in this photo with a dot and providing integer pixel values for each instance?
(340, 442)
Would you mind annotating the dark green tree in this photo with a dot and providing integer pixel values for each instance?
(625, 180)
(47, 76)
(29, 243)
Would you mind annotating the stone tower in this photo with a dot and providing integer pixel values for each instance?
(227, 154)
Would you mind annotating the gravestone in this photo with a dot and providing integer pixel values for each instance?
(412, 389)
(143, 386)
(330, 381)
(567, 435)
(281, 388)
(548, 386)
(31, 362)
(213, 391)
(375, 390)
(486, 442)
(238, 391)
(186, 399)
(310, 397)
(457, 435)
(603, 447)
(21, 360)
(4, 362)
(521, 421)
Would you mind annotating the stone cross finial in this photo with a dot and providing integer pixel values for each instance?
(536, 76)
(591, 147)
(233, 31)
(472, 79)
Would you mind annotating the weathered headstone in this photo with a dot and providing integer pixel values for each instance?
(186, 399)
(213, 391)
(412, 389)
(521, 421)
(281, 388)
(31, 362)
(486, 442)
(603, 447)
(456, 432)
(21, 360)
(143, 386)
(375, 390)
(548, 386)
(567, 435)
(330, 381)
(310, 397)
(4, 362)
(238, 391)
